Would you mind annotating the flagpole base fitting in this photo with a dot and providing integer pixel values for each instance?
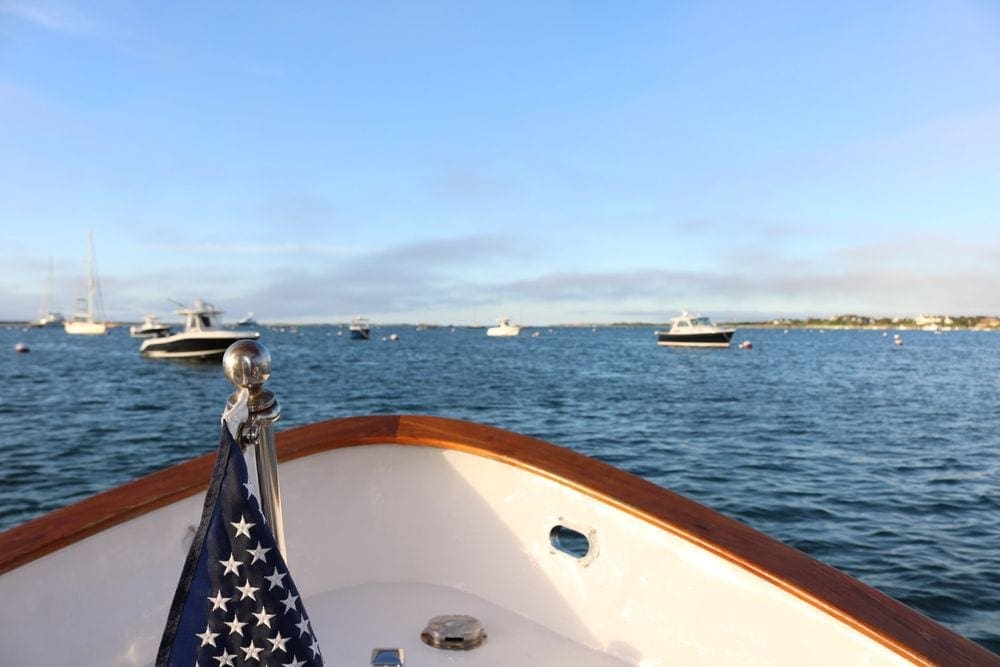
(387, 657)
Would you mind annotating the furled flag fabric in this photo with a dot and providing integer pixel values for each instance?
(235, 603)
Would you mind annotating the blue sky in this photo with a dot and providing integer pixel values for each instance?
(551, 161)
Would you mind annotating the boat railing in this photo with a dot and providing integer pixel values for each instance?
(247, 364)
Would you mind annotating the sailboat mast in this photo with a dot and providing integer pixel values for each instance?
(48, 292)
(90, 276)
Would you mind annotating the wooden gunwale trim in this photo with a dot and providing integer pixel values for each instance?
(66, 525)
(896, 626)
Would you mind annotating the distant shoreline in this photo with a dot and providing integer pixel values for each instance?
(961, 323)
(922, 323)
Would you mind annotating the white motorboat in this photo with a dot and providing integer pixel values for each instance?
(203, 338)
(688, 330)
(150, 327)
(429, 541)
(83, 322)
(360, 328)
(504, 328)
(48, 319)
(247, 321)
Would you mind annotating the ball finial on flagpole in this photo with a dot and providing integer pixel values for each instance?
(247, 364)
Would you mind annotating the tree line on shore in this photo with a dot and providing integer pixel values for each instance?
(862, 321)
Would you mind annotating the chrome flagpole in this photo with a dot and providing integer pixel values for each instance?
(247, 364)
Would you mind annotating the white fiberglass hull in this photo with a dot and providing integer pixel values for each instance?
(667, 343)
(390, 521)
(86, 328)
(503, 331)
(204, 345)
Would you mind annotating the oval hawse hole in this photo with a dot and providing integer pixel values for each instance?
(570, 542)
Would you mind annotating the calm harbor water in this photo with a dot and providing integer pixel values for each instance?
(882, 461)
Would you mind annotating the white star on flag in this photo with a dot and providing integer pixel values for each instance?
(258, 553)
(263, 618)
(247, 591)
(226, 658)
(251, 652)
(232, 565)
(275, 578)
(242, 527)
(207, 637)
(235, 626)
(290, 601)
(219, 602)
(278, 642)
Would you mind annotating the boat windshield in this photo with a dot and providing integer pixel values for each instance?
(701, 321)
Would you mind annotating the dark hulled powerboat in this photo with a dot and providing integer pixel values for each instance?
(151, 327)
(360, 328)
(203, 338)
(688, 330)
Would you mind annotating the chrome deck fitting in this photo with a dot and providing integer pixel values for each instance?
(454, 632)
(387, 657)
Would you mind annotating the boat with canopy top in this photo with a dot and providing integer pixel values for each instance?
(360, 328)
(504, 329)
(150, 327)
(203, 338)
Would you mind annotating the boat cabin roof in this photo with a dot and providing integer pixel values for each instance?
(201, 316)
(687, 320)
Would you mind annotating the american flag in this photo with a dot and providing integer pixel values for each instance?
(235, 603)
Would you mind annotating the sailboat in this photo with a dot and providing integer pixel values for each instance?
(47, 318)
(83, 322)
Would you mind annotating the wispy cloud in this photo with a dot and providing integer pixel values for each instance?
(945, 142)
(400, 281)
(262, 249)
(931, 253)
(436, 273)
(499, 274)
(51, 16)
(610, 285)
(440, 253)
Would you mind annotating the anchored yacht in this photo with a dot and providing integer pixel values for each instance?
(202, 339)
(360, 328)
(83, 322)
(151, 327)
(504, 328)
(688, 330)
